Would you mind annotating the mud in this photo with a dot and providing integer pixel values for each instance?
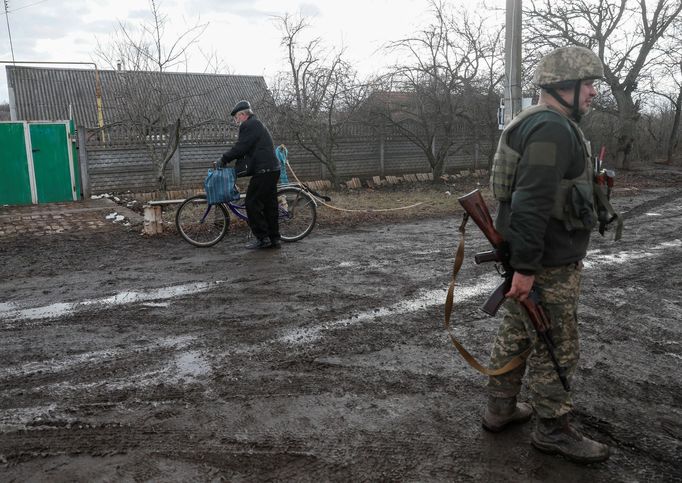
(135, 359)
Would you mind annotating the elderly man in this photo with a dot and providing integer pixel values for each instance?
(255, 145)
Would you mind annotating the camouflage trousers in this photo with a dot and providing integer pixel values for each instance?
(559, 289)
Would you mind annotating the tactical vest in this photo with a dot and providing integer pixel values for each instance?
(574, 200)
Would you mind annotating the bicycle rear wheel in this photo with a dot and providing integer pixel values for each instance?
(201, 224)
(297, 213)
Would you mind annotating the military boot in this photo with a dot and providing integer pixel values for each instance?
(503, 411)
(557, 436)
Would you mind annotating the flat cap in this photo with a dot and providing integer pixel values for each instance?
(240, 106)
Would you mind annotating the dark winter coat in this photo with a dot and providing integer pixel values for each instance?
(254, 143)
(551, 151)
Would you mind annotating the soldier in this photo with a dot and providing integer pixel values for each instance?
(542, 177)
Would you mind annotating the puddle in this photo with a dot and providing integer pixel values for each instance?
(347, 265)
(9, 312)
(191, 365)
(157, 304)
(7, 307)
(335, 266)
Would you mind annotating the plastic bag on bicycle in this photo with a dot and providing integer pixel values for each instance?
(220, 185)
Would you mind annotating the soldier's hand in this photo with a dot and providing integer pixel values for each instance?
(520, 286)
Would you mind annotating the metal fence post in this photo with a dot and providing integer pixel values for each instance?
(83, 163)
(382, 144)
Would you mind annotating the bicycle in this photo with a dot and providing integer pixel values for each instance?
(204, 225)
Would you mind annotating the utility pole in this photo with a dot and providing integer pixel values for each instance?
(9, 32)
(512, 68)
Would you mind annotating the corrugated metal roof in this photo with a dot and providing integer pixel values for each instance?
(46, 94)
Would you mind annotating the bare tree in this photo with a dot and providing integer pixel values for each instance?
(319, 95)
(490, 81)
(429, 98)
(666, 82)
(4, 111)
(158, 112)
(624, 35)
(672, 93)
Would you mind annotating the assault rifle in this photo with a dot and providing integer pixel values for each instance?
(475, 208)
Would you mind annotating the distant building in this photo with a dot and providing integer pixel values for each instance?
(46, 94)
(400, 106)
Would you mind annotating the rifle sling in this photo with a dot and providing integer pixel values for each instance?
(471, 360)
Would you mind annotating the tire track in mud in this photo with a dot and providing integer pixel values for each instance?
(256, 455)
(649, 205)
(628, 297)
(424, 300)
(661, 447)
(104, 370)
(106, 379)
(75, 363)
(597, 257)
(10, 313)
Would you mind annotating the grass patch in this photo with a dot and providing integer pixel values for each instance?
(387, 204)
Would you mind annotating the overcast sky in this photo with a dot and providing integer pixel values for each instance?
(242, 33)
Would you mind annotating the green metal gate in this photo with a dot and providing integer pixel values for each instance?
(15, 175)
(38, 163)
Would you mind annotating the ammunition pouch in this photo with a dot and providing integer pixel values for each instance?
(574, 204)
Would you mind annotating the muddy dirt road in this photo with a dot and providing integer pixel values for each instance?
(124, 358)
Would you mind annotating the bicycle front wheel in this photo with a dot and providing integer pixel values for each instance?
(297, 213)
(201, 224)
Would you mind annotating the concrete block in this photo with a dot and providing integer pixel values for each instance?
(153, 221)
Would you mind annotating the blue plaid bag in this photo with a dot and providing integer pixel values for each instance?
(282, 152)
(220, 185)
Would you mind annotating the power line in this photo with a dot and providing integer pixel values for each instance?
(9, 32)
(6, 14)
(22, 7)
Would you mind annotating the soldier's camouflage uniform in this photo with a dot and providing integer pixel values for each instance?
(559, 289)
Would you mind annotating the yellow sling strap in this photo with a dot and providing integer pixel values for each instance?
(509, 366)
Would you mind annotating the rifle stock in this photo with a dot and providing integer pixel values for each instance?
(475, 207)
(474, 204)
